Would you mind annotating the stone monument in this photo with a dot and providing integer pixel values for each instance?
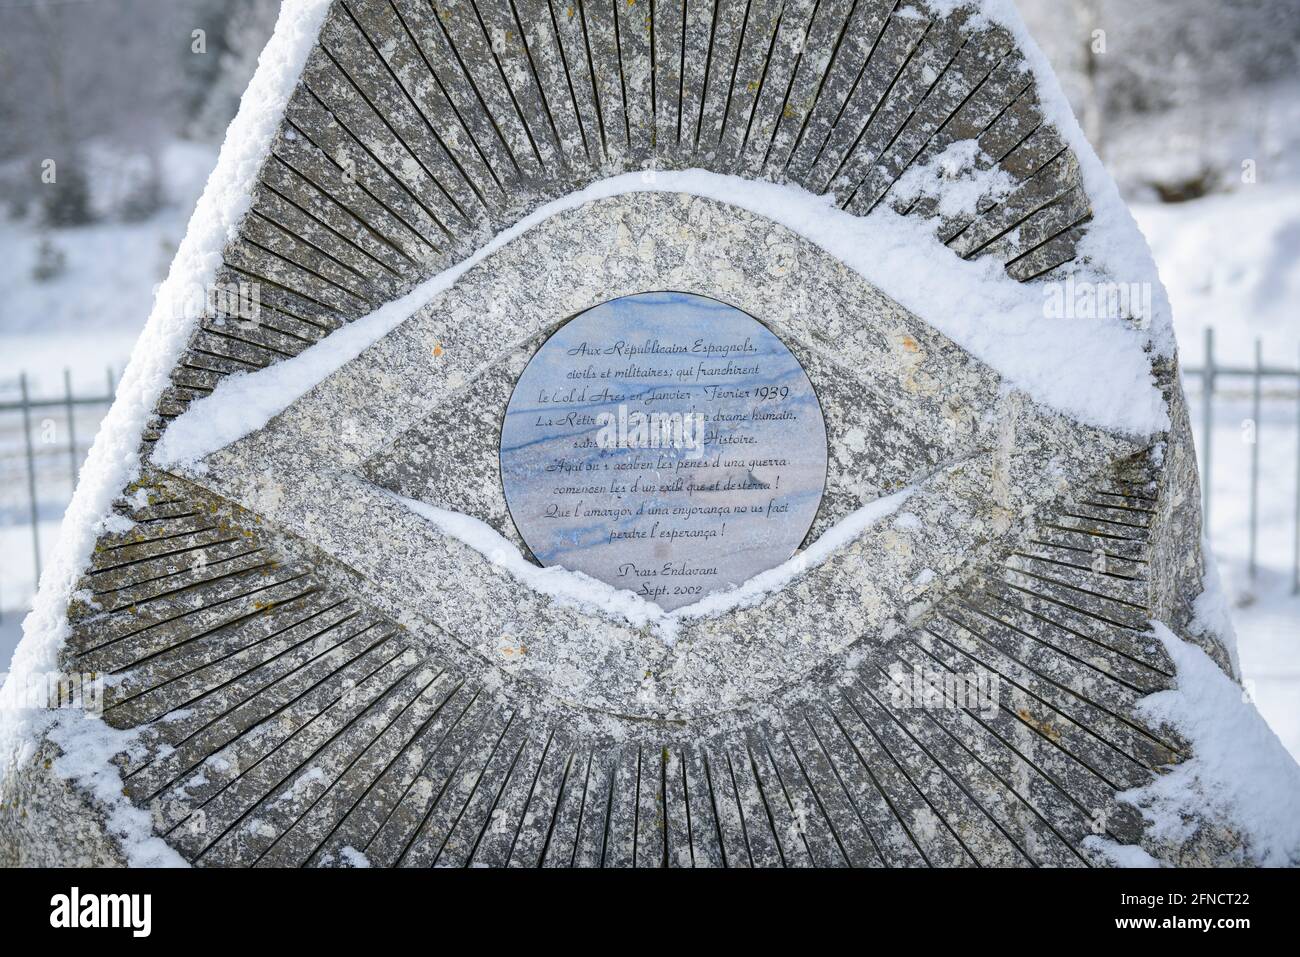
(629, 462)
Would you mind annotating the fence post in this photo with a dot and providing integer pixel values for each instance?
(72, 426)
(31, 475)
(1207, 432)
(1295, 553)
(1253, 563)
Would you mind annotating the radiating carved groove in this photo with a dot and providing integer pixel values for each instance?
(609, 807)
(931, 718)
(879, 788)
(925, 147)
(415, 834)
(1048, 580)
(555, 813)
(451, 102)
(979, 134)
(1082, 568)
(397, 183)
(907, 776)
(829, 69)
(943, 768)
(789, 803)
(352, 214)
(767, 808)
(180, 617)
(357, 756)
(740, 809)
(622, 75)
(853, 88)
(487, 816)
(1089, 552)
(397, 137)
(898, 131)
(794, 74)
(762, 77)
(186, 770)
(230, 625)
(681, 109)
(708, 67)
(159, 578)
(1074, 608)
(245, 270)
(1068, 794)
(437, 137)
(289, 200)
(654, 98)
(220, 333)
(1023, 217)
(421, 774)
(105, 549)
(713, 804)
(1085, 218)
(735, 66)
(541, 89)
(478, 93)
(568, 79)
(397, 217)
(591, 73)
(298, 767)
(381, 115)
(1093, 533)
(1063, 689)
(848, 793)
(1072, 755)
(528, 801)
(582, 811)
(262, 323)
(871, 118)
(817, 798)
(1116, 715)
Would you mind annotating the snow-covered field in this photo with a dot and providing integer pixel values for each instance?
(1231, 261)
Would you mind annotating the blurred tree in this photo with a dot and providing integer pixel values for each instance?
(130, 74)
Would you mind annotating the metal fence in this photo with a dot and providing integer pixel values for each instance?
(43, 441)
(1283, 386)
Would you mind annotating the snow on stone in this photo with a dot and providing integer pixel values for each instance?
(88, 746)
(1240, 772)
(959, 178)
(1095, 370)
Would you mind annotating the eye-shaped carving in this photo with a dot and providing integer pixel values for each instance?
(948, 464)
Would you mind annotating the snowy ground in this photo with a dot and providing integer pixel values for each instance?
(1229, 260)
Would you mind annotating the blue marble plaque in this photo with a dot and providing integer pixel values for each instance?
(665, 443)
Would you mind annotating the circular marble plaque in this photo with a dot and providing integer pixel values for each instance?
(665, 443)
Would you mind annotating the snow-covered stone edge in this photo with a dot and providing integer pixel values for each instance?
(1240, 776)
(113, 461)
